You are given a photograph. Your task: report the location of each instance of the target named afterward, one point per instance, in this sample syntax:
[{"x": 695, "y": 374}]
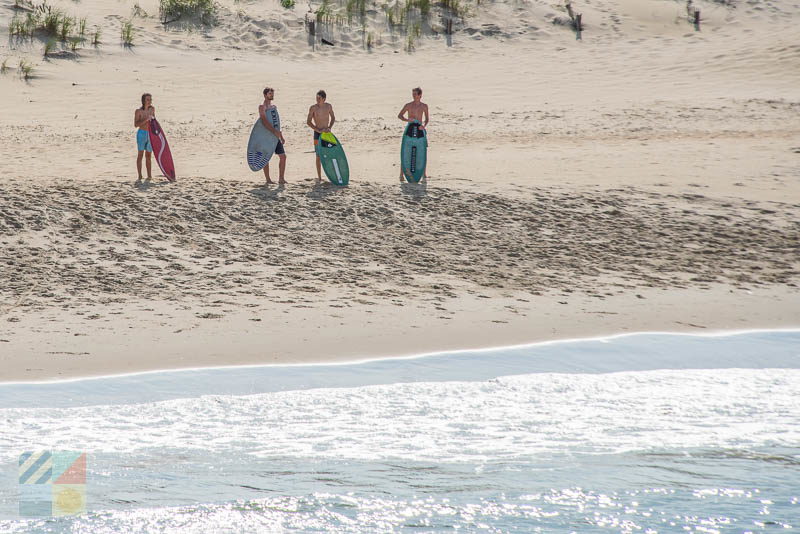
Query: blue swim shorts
[{"x": 143, "y": 140}]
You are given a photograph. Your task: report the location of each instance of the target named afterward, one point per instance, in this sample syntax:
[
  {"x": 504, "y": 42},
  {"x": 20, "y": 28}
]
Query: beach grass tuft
[
  {"x": 407, "y": 18},
  {"x": 51, "y": 21},
  {"x": 356, "y": 8},
  {"x": 15, "y": 27},
  {"x": 137, "y": 11},
  {"x": 4, "y": 66},
  {"x": 423, "y": 6},
  {"x": 173, "y": 10},
  {"x": 324, "y": 12},
  {"x": 45, "y": 19},
  {"x": 457, "y": 8},
  {"x": 49, "y": 48},
  {"x": 127, "y": 33},
  {"x": 25, "y": 69},
  {"x": 288, "y": 4},
  {"x": 31, "y": 24},
  {"x": 66, "y": 25}
]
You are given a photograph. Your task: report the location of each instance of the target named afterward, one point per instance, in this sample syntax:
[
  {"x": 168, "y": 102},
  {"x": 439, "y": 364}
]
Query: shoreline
[
  {"x": 44, "y": 353},
  {"x": 439, "y": 353}
]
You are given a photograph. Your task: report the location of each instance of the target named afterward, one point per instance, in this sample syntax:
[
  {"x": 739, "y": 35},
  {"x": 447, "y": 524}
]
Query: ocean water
[{"x": 639, "y": 433}]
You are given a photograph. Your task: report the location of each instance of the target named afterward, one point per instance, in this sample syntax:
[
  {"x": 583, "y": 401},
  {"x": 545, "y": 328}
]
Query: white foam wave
[{"x": 506, "y": 417}]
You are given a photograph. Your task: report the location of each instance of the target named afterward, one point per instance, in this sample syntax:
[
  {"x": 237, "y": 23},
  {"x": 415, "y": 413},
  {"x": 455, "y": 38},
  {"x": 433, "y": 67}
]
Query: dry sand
[{"x": 645, "y": 177}]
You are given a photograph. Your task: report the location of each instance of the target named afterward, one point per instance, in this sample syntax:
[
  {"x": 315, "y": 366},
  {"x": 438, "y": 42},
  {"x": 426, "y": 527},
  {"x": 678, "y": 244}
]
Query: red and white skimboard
[{"x": 161, "y": 150}]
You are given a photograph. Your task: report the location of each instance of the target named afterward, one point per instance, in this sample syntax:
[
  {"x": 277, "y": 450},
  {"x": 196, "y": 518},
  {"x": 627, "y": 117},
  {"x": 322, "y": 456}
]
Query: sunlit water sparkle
[{"x": 645, "y": 433}]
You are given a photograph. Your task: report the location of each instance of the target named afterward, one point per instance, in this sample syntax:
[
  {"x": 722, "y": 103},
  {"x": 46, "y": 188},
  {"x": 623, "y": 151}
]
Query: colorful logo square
[{"x": 52, "y": 483}]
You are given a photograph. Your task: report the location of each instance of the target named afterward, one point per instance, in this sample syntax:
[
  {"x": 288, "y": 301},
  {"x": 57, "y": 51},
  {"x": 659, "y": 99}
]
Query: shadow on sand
[
  {"x": 146, "y": 185},
  {"x": 417, "y": 190},
  {"x": 268, "y": 192},
  {"x": 324, "y": 189}
]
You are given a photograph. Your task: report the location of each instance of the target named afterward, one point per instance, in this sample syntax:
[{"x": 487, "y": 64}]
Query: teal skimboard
[
  {"x": 414, "y": 151},
  {"x": 331, "y": 155}
]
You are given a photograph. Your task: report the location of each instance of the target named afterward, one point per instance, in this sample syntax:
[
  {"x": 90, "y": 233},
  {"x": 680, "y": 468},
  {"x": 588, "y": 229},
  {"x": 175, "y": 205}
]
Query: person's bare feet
[
  {"x": 281, "y": 182},
  {"x": 269, "y": 182}
]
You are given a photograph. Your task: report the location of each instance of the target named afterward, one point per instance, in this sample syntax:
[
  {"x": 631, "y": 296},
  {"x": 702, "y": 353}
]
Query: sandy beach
[{"x": 645, "y": 177}]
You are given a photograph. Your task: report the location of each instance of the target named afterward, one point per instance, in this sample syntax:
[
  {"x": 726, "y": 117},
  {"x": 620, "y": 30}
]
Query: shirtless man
[
  {"x": 320, "y": 119},
  {"x": 141, "y": 120},
  {"x": 417, "y": 111},
  {"x": 269, "y": 95}
]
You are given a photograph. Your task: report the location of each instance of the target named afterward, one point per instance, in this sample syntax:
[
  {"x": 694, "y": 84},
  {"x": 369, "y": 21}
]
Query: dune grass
[
  {"x": 49, "y": 48},
  {"x": 457, "y": 8},
  {"x": 127, "y": 33},
  {"x": 65, "y": 28},
  {"x": 356, "y": 8},
  {"x": 26, "y": 69},
  {"x": 424, "y": 6},
  {"x": 47, "y": 22},
  {"x": 407, "y": 18},
  {"x": 173, "y": 10},
  {"x": 324, "y": 11},
  {"x": 137, "y": 11}
]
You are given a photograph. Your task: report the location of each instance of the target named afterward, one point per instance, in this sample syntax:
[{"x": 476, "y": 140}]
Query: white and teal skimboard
[
  {"x": 414, "y": 152},
  {"x": 262, "y": 143},
  {"x": 334, "y": 162}
]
